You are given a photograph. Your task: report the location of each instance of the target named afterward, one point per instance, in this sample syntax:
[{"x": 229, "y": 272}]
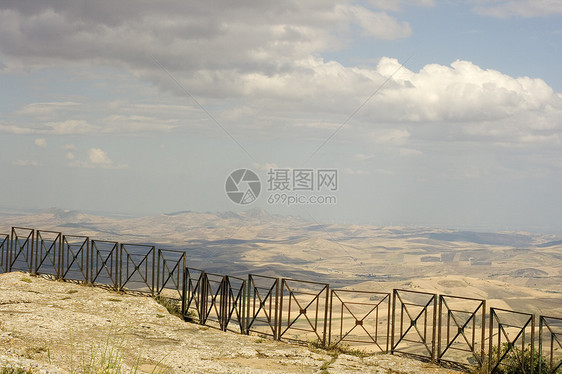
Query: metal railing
[
  {"x": 104, "y": 266},
  {"x": 21, "y": 249},
  {"x": 75, "y": 259},
  {"x": 461, "y": 329},
  {"x": 48, "y": 245},
  {"x": 414, "y": 318},
  {"x": 441, "y": 328},
  {"x": 4, "y": 252},
  {"x": 136, "y": 267},
  {"x": 303, "y": 311},
  {"x": 263, "y": 303},
  {"x": 169, "y": 273},
  {"x": 360, "y": 318},
  {"x": 514, "y": 334}
]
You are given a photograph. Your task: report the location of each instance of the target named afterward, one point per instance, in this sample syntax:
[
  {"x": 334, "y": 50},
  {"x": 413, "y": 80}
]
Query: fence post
[
  {"x": 243, "y": 306},
  {"x": 249, "y": 295},
  {"x": 223, "y": 302},
  {"x": 328, "y": 304},
  {"x": 184, "y": 294},
  {"x": 532, "y": 345},
  {"x": 158, "y": 271},
  {"x": 279, "y": 307},
  {"x": 393, "y": 321},
  {"x": 118, "y": 270},
  {"x": 203, "y": 298},
  {"x": 433, "y": 328},
  {"x": 483, "y": 341},
  {"x": 490, "y": 336},
  {"x": 330, "y": 322}
]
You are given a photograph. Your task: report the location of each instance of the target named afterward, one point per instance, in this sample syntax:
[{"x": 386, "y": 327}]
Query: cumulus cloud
[
  {"x": 266, "y": 56},
  {"x": 97, "y": 158},
  {"x": 462, "y": 91},
  {"x": 41, "y": 142},
  {"x": 219, "y": 35}
]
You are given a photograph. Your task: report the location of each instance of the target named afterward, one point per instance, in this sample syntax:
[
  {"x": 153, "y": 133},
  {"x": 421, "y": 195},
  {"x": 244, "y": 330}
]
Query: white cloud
[
  {"x": 16, "y": 129},
  {"x": 26, "y": 163},
  {"x": 379, "y": 24},
  {"x": 69, "y": 127},
  {"x": 98, "y": 157},
  {"x": 256, "y": 66},
  {"x": 41, "y": 142},
  {"x": 45, "y": 111},
  {"x": 187, "y": 36}
]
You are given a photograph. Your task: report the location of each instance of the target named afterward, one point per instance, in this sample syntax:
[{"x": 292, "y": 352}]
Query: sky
[{"x": 429, "y": 112}]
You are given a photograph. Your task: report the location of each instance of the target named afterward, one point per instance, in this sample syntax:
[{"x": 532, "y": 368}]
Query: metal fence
[
  {"x": 414, "y": 316},
  {"x": 513, "y": 333},
  {"x": 440, "y": 328},
  {"x": 550, "y": 344},
  {"x": 461, "y": 333},
  {"x": 360, "y": 318}
]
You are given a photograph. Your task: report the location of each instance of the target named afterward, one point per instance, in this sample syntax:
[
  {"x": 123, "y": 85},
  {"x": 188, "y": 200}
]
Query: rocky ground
[{"x": 60, "y": 327}]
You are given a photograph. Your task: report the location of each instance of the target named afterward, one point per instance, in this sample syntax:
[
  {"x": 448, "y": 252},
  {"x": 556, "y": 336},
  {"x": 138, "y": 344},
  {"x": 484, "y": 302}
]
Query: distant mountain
[
  {"x": 550, "y": 244},
  {"x": 483, "y": 238}
]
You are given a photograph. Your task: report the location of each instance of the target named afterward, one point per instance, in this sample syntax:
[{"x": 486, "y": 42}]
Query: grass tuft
[
  {"x": 10, "y": 369},
  {"x": 172, "y": 306},
  {"x": 107, "y": 358}
]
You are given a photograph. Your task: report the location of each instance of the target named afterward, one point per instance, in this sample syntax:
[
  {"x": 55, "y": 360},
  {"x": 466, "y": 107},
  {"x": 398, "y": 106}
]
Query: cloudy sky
[{"x": 433, "y": 112}]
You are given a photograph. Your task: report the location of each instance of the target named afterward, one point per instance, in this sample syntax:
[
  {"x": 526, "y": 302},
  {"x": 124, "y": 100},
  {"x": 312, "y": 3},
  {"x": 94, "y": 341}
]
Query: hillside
[
  {"x": 57, "y": 327},
  {"x": 257, "y": 242}
]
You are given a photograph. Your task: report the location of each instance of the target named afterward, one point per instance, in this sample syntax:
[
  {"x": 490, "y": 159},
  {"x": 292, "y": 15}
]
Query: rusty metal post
[
  {"x": 326, "y": 314},
  {"x": 331, "y": 312},
  {"x": 393, "y": 321},
  {"x": 483, "y": 335},
  {"x": 202, "y": 297},
  {"x": 433, "y": 327},
  {"x": 490, "y": 336},
  {"x": 279, "y": 311},
  {"x": 441, "y": 301},
  {"x": 184, "y": 295},
  {"x": 532, "y": 344}
]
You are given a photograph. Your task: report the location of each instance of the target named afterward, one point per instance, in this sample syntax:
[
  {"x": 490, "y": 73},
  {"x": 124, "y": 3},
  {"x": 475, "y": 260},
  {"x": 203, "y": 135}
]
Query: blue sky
[{"x": 433, "y": 112}]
